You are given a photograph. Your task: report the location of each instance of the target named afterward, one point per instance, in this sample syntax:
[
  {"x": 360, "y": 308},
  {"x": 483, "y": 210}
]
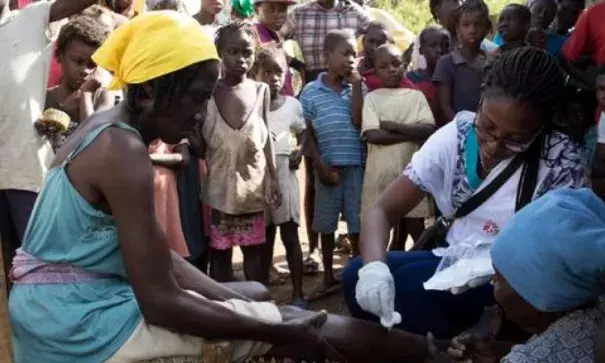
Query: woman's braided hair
[{"x": 531, "y": 76}]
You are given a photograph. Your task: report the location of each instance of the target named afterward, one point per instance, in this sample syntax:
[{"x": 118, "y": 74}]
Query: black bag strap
[
  {"x": 484, "y": 194},
  {"x": 529, "y": 174}
]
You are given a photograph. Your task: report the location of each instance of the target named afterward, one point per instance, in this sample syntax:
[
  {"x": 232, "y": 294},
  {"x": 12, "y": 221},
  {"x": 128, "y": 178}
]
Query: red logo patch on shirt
[{"x": 490, "y": 227}]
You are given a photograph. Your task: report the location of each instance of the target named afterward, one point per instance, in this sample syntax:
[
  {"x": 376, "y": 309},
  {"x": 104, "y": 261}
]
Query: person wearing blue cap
[{"x": 550, "y": 281}]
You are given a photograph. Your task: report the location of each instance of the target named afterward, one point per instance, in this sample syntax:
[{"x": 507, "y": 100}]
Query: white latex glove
[{"x": 375, "y": 293}]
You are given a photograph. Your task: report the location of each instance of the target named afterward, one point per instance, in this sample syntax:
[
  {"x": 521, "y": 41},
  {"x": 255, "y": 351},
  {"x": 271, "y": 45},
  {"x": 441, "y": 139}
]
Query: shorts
[
  {"x": 345, "y": 198},
  {"x": 149, "y": 342}
]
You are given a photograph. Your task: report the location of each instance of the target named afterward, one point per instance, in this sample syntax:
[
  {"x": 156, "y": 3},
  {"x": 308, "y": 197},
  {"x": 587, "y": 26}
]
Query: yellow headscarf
[{"x": 151, "y": 45}]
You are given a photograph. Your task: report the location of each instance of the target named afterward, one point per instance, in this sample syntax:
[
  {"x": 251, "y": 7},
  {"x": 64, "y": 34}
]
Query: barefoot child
[
  {"x": 332, "y": 110},
  {"x": 285, "y": 119},
  {"x": 459, "y": 74},
  {"x": 241, "y": 168},
  {"x": 80, "y": 93},
  {"x": 395, "y": 121},
  {"x": 433, "y": 42}
]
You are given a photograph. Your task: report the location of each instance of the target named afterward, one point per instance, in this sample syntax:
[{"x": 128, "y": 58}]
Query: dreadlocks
[{"x": 171, "y": 86}]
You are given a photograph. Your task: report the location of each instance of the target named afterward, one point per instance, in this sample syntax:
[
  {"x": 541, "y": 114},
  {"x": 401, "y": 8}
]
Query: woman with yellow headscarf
[{"x": 95, "y": 281}]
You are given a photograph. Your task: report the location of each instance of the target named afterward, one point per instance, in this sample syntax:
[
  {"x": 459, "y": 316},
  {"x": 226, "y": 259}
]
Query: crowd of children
[{"x": 358, "y": 119}]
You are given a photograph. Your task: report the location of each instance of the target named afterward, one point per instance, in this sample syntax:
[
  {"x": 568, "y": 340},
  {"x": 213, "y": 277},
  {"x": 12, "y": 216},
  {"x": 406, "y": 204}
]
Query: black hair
[
  {"x": 171, "y": 86},
  {"x": 274, "y": 54},
  {"x": 428, "y": 30},
  {"x": 522, "y": 10},
  {"x": 375, "y": 25},
  {"x": 472, "y": 6},
  {"x": 222, "y": 35},
  {"x": 336, "y": 37},
  {"x": 85, "y": 29},
  {"x": 385, "y": 47},
  {"x": 529, "y": 75}
]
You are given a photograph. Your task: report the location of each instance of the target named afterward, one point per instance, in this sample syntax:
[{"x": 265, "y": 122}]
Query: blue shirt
[
  {"x": 554, "y": 43},
  {"x": 84, "y": 322},
  {"x": 330, "y": 114}
]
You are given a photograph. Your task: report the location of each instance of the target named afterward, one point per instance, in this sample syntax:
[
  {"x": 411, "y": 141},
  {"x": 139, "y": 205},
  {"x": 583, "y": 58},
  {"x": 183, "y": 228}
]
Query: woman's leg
[
  {"x": 289, "y": 236},
  {"x": 360, "y": 341},
  {"x": 253, "y": 262},
  {"x": 440, "y": 312},
  {"x": 268, "y": 247},
  {"x": 221, "y": 269}
]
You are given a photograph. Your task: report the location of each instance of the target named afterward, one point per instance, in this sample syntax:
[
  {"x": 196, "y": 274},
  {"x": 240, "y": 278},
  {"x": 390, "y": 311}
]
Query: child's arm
[
  {"x": 356, "y": 98},
  {"x": 311, "y": 150},
  {"x": 444, "y": 101},
  {"x": 443, "y": 77},
  {"x": 274, "y": 199},
  {"x": 178, "y": 159}
]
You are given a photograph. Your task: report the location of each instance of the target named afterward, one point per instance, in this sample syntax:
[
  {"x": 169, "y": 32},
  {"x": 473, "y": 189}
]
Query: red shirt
[
  {"x": 423, "y": 83},
  {"x": 588, "y": 36},
  {"x": 373, "y": 82}
]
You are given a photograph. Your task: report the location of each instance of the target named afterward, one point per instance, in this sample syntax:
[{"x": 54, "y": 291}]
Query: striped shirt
[
  {"x": 309, "y": 23},
  {"x": 330, "y": 114}
]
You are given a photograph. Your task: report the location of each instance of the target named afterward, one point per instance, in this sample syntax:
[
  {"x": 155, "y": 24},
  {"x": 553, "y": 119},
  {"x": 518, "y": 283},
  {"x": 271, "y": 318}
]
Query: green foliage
[{"x": 415, "y": 14}]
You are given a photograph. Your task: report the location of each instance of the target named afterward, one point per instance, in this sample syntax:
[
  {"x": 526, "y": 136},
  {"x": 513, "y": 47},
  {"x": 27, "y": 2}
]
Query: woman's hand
[
  {"x": 375, "y": 293},
  {"x": 473, "y": 348},
  {"x": 435, "y": 355}
]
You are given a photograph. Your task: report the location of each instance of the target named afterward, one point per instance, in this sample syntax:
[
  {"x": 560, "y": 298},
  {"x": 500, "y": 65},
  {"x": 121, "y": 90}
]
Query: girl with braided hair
[{"x": 515, "y": 122}]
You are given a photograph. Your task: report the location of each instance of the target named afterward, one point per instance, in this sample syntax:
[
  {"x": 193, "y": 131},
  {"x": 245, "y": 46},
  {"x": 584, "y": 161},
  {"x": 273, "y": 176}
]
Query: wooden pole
[{"x": 6, "y": 350}]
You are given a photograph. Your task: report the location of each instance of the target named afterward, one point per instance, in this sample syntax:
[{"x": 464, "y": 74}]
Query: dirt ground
[{"x": 283, "y": 293}]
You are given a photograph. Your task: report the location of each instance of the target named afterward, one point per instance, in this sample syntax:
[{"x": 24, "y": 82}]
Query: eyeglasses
[{"x": 516, "y": 147}]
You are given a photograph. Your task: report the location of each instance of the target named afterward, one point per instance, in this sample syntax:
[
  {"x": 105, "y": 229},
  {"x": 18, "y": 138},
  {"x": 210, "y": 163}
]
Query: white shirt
[
  {"x": 24, "y": 67},
  {"x": 285, "y": 121},
  {"x": 439, "y": 168}
]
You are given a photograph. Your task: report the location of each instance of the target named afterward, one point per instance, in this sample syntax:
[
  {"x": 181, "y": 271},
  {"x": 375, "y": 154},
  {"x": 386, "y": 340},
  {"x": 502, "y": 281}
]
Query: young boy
[
  {"x": 513, "y": 24},
  {"x": 395, "y": 121},
  {"x": 332, "y": 110},
  {"x": 271, "y": 16},
  {"x": 80, "y": 93},
  {"x": 459, "y": 74},
  {"x": 433, "y": 42},
  {"x": 285, "y": 119}
]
